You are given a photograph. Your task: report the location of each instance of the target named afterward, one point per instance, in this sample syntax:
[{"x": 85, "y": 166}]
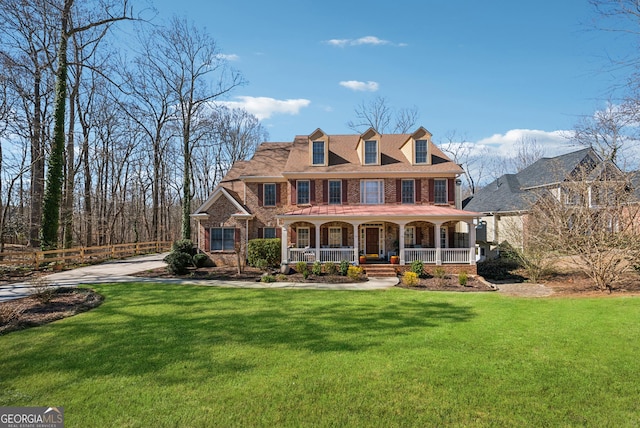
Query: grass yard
[{"x": 182, "y": 356}]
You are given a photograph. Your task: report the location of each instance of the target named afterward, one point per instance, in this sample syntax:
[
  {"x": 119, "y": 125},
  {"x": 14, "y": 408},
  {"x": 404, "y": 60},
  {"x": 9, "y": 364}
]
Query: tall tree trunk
[
  {"x": 53, "y": 190},
  {"x": 37, "y": 165},
  {"x": 67, "y": 208},
  {"x": 88, "y": 206},
  {"x": 186, "y": 194}
]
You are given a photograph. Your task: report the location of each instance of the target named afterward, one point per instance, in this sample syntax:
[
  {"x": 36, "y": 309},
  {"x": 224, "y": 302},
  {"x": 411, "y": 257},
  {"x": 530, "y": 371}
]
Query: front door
[{"x": 372, "y": 241}]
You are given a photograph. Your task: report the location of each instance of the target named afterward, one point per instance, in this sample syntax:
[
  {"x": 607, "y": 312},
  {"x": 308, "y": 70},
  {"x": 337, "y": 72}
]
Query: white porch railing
[
  {"x": 308, "y": 255},
  {"x": 429, "y": 255}
]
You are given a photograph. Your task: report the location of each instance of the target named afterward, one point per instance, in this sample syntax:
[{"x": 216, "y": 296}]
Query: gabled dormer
[
  {"x": 368, "y": 147},
  {"x": 318, "y": 148},
  {"x": 417, "y": 149}
]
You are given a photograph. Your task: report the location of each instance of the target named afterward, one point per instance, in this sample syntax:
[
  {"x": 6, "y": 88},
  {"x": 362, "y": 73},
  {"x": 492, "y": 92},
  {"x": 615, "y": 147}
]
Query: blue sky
[{"x": 490, "y": 71}]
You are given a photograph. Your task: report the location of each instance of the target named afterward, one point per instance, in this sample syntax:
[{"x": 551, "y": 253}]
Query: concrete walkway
[{"x": 121, "y": 271}]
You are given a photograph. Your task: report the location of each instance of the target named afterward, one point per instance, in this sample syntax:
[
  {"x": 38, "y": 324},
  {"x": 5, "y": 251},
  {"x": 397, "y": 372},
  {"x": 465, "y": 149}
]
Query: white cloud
[
  {"x": 553, "y": 142},
  {"x": 366, "y": 40},
  {"x": 265, "y": 107},
  {"x": 356, "y": 85},
  {"x": 229, "y": 57}
]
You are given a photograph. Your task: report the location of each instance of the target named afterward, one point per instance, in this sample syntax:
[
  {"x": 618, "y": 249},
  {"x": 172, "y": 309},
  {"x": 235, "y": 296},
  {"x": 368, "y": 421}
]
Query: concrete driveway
[{"x": 121, "y": 271}]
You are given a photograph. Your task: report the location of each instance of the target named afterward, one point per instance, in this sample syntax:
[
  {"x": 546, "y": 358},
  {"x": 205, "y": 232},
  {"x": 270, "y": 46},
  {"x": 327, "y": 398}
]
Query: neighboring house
[
  {"x": 337, "y": 197},
  {"x": 505, "y": 202}
]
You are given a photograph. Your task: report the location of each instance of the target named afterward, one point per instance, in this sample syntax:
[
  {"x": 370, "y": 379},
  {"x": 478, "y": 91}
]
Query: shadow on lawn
[{"x": 142, "y": 328}]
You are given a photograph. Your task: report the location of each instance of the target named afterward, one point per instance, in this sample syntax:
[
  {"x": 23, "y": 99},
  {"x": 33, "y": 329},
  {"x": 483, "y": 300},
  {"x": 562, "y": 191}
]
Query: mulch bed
[
  {"x": 35, "y": 310},
  {"x": 449, "y": 284}
]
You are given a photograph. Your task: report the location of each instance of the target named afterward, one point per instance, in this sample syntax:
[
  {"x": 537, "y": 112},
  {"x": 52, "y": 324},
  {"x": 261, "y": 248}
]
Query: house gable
[{"x": 202, "y": 211}]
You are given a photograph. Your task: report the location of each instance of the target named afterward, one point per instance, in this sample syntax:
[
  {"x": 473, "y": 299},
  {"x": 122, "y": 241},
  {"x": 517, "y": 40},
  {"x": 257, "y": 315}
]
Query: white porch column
[
  {"x": 317, "y": 225},
  {"x": 401, "y": 242},
  {"x": 356, "y": 243},
  {"x": 472, "y": 242},
  {"x": 437, "y": 231},
  {"x": 284, "y": 244}
]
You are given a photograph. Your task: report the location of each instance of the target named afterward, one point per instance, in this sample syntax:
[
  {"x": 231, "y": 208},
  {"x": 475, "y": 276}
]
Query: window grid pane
[
  {"x": 303, "y": 237},
  {"x": 370, "y": 152},
  {"x": 335, "y": 237},
  {"x": 371, "y": 192},
  {"x": 409, "y": 236},
  {"x": 303, "y": 192},
  {"x": 269, "y": 232},
  {"x": 223, "y": 239},
  {"x": 407, "y": 192},
  {"x": 335, "y": 192},
  {"x": 421, "y": 151},
  {"x": 318, "y": 152},
  {"x": 270, "y": 195},
  {"x": 440, "y": 191}
]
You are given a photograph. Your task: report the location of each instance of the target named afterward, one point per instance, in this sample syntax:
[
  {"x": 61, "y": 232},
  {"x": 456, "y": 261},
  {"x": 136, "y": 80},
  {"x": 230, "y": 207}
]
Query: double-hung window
[
  {"x": 303, "y": 237},
  {"x": 410, "y": 236},
  {"x": 421, "y": 151},
  {"x": 269, "y": 232},
  {"x": 269, "y": 195},
  {"x": 223, "y": 239},
  {"x": 335, "y": 237},
  {"x": 371, "y": 152},
  {"x": 318, "y": 153},
  {"x": 335, "y": 191},
  {"x": 372, "y": 192},
  {"x": 440, "y": 191},
  {"x": 408, "y": 192},
  {"x": 302, "y": 187}
]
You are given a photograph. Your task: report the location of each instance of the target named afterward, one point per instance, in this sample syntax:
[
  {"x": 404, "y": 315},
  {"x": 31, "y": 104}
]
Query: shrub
[
  {"x": 305, "y": 274},
  {"x": 344, "y": 267},
  {"x": 463, "y": 278},
  {"x": 183, "y": 246},
  {"x": 417, "y": 267},
  {"x": 439, "y": 273},
  {"x": 281, "y": 277},
  {"x": 42, "y": 289},
  {"x": 301, "y": 267},
  {"x": 316, "y": 269},
  {"x": 410, "y": 279},
  {"x": 354, "y": 272},
  {"x": 177, "y": 262},
  {"x": 499, "y": 269},
  {"x": 262, "y": 264},
  {"x": 264, "y": 249},
  {"x": 200, "y": 260},
  {"x": 268, "y": 278},
  {"x": 330, "y": 268}
]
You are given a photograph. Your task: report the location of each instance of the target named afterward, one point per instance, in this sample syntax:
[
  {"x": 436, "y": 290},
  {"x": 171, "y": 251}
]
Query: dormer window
[
  {"x": 318, "y": 153},
  {"x": 421, "y": 151},
  {"x": 371, "y": 152}
]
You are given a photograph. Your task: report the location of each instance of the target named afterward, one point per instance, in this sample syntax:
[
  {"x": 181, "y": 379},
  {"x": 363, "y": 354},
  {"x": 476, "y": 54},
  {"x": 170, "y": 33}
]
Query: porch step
[{"x": 379, "y": 270}]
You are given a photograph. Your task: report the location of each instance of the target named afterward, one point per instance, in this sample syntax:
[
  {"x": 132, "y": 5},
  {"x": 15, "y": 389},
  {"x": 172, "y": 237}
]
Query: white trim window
[
  {"x": 409, "y": 236},
  {"x": 318, "y": 153},
  {"x": 303, "y": 237},
  {"x": 335, "y": 192},
  {"x": 371, "y": 152},
  {"x": 408, "y": 192},
  {"x": 269, "y": 197},
  {"x": 444, "y": 234},
  {"x": 335, "y": 237},
  {"x": 223, "y": 238},
  {"x": 303, "y": 188},
  {"x": 372, "y": 192},
  {"x": 421, "y": 151},
  {"x": 440, "y": 191},
  {"x": 269, "y": 232}
]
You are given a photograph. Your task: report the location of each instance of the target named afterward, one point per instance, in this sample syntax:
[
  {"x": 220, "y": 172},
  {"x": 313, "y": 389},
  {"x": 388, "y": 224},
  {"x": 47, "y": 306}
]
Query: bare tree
[
  {"x": 190, "y": 60},
  {"x": 377, "y": 114},
  {"x": 593, "y": 221},
  {"x": 471, "y": 158}
]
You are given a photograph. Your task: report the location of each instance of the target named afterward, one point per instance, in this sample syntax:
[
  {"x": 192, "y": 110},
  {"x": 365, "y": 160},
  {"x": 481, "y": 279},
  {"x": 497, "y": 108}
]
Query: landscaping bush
[
  {"x": 499, "y": 269},
  {"x": 177, "y": 262},
  {"x": 330, "y": 268},
  {"x": 264, "y": 249},
  {"x": 200, "y": 260},
  {"x": 355, "y": 272},
  {"x": 301, "y": 267},
  {"x": 410, "y": 279},
  {"x": 417, "y": 267},
  {"x": 316, "y": 269},
  {"x": 439, "y": 273},
  {"x": 183, "y": 246},
  {"x": 268, "y": 278},
  {"x": 344, "y": 267},
  {"x": 463, "y": 278},
  {"x": 281, "y": 277}
]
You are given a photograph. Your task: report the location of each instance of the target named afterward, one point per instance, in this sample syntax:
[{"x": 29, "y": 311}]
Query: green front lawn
[{"x": 163, "y": 355}]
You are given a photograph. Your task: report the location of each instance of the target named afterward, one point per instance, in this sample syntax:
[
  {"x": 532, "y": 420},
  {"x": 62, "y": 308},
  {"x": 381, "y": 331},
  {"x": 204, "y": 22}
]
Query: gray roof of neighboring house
[{"x": 509, "y": 192}]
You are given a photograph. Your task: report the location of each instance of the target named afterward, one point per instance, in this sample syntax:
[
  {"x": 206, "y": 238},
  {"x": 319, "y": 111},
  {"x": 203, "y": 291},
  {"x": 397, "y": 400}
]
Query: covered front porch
[{"x": 433, "y": 234}]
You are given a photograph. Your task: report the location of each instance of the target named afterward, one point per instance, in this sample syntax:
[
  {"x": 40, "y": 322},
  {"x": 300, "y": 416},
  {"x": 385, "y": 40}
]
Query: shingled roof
[{"x": 511, "y": 192}]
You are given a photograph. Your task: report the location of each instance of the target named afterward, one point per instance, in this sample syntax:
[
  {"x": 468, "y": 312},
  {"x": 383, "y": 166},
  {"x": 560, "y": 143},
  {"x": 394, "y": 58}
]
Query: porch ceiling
[{"x": 387, "y": 211}]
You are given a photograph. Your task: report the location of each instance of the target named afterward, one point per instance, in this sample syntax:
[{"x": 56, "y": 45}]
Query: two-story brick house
[{"x": 336, "y": 197}]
